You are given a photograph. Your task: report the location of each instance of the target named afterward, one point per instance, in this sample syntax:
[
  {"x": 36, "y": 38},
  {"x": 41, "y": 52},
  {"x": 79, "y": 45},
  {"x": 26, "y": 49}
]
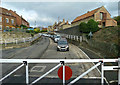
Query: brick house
[
  {"x": 100, "y": 15},
  {"x": 19, "y": 19},
  {"x": 10, "y": 19},
  {"x": 7, "y": 20}
]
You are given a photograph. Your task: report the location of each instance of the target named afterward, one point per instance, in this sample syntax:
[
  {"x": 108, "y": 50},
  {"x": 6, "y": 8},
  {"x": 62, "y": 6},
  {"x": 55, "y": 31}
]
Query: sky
[{"x": 47, "y": 13}]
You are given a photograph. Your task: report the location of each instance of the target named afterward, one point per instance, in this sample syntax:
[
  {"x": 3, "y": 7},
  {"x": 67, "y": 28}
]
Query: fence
[
  {"x": 18, "y": 40},
  {"x": 74, "y": 37},
  {"x": 108, "y": 49},
  {"x": 26, "y": 62}
]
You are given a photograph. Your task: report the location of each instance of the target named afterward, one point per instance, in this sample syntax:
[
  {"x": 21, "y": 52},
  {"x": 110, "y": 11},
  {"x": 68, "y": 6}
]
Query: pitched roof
[{"x": 85, "y": 15}]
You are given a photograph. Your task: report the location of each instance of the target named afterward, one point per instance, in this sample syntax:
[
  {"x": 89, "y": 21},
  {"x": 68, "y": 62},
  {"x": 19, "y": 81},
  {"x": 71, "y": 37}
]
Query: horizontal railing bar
[
  {"x": 56, "y": 60},
  {"x": 110, "y": 68}
]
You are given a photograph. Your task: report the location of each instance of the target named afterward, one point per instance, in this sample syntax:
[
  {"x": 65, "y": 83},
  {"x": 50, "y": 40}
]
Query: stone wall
[{"x": 71, "y": 31}]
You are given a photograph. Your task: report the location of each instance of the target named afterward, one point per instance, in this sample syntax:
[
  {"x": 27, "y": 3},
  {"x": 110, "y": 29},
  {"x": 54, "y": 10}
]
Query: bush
[
  {"x": 117, "y": 19},
  {"x": 91, "y": 26},
  {"x": 83, "y": 27}
]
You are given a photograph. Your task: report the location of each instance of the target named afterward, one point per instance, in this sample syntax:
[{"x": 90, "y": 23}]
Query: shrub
[
  {"x": 83, "y": 27},
  {"x": 91, "y": 26}
]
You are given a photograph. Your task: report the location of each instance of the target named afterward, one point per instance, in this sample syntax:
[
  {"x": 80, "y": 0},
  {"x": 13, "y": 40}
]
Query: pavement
[{"x": 46, "y": 49}]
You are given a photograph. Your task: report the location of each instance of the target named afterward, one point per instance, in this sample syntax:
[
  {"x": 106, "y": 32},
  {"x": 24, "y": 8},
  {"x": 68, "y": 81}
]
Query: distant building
[
  {"x": 10, "y": 19},
  {"x": 44, "y": 29},
  {"x": 100, "y": 15},
  {"x": 65, "y": 26},
  {"x": 62, "y": 25},
  {"x": 50, "y": 28}
]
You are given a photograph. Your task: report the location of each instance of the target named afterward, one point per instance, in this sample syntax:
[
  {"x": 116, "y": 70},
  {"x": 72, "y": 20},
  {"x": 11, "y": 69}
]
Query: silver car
[{"x": 62, "y": 45}]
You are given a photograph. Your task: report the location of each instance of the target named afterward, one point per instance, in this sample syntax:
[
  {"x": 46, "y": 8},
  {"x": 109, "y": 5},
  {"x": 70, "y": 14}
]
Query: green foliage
[
  {"x": 117, "y": 19},
  {"x": 23, "y": 26},
  {"x": 91, "y": 26},
  {"x": 44, "y": 31},
  {"x": 29, "y": 31},
  {"x": 83, "y": 27}
]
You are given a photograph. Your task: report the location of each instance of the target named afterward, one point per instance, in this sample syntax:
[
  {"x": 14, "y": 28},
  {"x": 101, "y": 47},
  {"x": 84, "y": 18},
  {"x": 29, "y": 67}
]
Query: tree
[
  {"x": 92, "y": 25},
  {"x": 117, "y": 19},
  {"x": 83, "y": 27}
]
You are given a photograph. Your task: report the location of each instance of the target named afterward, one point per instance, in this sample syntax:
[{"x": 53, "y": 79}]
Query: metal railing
[
  {"x": 18, "y": 40},
  {"x": 25, "y": 62}
]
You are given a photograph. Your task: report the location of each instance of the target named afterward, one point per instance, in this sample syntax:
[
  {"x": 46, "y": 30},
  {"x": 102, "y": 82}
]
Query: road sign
[{"x": 68, "y": 72}]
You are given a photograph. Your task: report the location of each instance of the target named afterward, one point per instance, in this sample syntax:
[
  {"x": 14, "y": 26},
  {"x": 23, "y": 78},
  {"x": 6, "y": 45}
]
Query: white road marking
[
  {"x": 17, "y": 75},
  {"x": 38, "y": 69}
]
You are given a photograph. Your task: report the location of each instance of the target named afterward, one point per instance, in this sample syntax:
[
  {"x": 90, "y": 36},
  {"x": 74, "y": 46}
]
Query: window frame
[{"x": 7, "y": 19}]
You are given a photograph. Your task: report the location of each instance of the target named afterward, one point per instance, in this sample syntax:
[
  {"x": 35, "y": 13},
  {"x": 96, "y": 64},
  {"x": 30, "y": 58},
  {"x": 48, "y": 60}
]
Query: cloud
[{"x": 46, "y": 13}]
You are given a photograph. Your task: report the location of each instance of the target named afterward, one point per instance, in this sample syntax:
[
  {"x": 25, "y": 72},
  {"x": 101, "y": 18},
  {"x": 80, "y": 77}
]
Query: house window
[
  {"x": 7, "y": 27},
  {"x": 101, "y": 15},
  {"x": 0, "y": 27},
  {"x": 12, "y": 21},
  {"x": 7, "y": 20},
  {"x": 0, "y": 19}
]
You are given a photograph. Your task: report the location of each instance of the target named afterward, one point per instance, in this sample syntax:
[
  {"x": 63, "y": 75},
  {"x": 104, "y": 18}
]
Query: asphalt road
[
  {"x": 34, "y": 51},
  {"x": 37, "y": 51}
]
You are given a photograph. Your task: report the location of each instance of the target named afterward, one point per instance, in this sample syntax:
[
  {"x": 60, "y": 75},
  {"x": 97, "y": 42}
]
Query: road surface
[{"x": 37, "y": 51}]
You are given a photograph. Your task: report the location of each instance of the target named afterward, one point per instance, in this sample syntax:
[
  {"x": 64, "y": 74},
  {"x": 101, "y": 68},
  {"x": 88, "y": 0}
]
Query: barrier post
[
  {"x": 63, "y": 64},
  {"x": 119, "y": 71},
  {"x": 27, "y": 75}
]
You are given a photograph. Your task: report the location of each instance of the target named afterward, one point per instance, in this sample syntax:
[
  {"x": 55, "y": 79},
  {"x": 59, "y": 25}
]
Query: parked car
[
  {"x": 56, "y": 38},
  {"x": 62, "y": 45}
]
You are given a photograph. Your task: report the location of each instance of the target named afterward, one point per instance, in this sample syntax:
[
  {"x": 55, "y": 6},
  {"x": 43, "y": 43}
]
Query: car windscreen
[
  {"x": 62, "y": 43},
  {"x": 57, "y": 36}
]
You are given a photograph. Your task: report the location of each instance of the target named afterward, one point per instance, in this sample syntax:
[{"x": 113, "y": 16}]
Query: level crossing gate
[{"x": 62, "y": 62}]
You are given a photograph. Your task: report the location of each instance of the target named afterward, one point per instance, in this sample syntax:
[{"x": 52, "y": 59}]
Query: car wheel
[
  {"x": 57, "y": 49},
  {"x": 67, "y": 49}
]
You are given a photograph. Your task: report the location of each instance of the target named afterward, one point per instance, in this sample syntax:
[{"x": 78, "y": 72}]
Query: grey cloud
[{"x": 67, "y": 10}]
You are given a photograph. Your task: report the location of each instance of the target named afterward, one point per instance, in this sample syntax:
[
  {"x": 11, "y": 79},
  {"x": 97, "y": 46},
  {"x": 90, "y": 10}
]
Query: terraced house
[
  {"x": 10, "y": 19},
  {"x": 7, "y": 20},
  {"x": 100, "y": 15}
]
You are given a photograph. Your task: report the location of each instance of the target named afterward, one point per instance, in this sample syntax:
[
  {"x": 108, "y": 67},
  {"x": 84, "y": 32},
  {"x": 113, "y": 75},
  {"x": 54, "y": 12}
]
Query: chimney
[
  {"x": 15, "y": 11},
  {"x": 88, "y": 11},
  {"x": 64, "y": 20},
  {"x": 67, "y": 22}
]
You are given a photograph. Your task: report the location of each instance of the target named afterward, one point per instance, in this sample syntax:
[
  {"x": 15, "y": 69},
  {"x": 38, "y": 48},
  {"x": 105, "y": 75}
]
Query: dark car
[{"x": 62, "y": 45}]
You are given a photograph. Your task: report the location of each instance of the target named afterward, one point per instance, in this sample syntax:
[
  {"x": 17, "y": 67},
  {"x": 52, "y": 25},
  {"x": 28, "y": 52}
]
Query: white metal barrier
[{"x": 63, "y": 62}]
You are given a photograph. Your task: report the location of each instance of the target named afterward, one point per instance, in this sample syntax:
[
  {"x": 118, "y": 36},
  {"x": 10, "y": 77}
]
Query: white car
[{"x": 57, "y": 38}]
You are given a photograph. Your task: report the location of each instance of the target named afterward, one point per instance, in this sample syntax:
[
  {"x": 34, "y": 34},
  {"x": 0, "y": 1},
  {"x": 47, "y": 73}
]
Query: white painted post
[
  {"x": 80, "y": 38},
  {"x": 27, "y": 74},
  {"x": 69, "y": 36},
  {"x": 74, "y": 37},
  {"x": 102, "y": 73},
  {"x": 5, "y": 43},
  {"x": 77, "y": 38},
  {"x": 63, "y": 72},
  {"x": 16, "y": 41},
  {"x": 24, "y": 40},
  {"x": 119, "y": 71}
]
